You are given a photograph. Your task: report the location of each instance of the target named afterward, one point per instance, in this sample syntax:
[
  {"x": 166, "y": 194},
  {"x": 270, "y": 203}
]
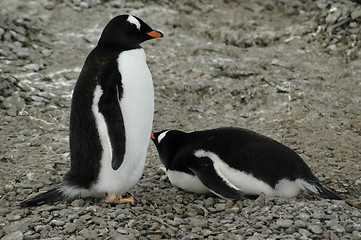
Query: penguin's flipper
[
  {"x": 214, "y": 180},
  {"x": 51, "y": 196},
  {"x": 109, "y": 107}
]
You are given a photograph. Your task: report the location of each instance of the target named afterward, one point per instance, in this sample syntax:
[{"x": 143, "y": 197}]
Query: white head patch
[
  {"x": 162, "y": 135},
  {"x": 134, "y": 21}
]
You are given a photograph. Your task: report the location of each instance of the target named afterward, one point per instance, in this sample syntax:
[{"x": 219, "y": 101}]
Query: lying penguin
[
  {"x": 233, "y": 162},
  {"x": 111, "y": 117}
]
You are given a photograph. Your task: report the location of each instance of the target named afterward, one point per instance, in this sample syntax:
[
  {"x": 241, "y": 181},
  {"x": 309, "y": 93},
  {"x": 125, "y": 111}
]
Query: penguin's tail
[
  {"x": 52, "y": 196},
  {"x": 314, "y": 185}
]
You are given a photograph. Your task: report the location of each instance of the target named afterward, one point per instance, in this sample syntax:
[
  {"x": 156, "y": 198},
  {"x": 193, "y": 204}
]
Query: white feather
[
  {"x": 134, "y": 21},
  {"x": 137, "y": 105},
  {"x": 187, "y": 182},
  {"x": 162, "y": 135}
]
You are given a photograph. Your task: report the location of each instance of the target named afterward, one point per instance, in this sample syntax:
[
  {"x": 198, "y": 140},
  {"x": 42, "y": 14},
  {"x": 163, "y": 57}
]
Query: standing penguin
[
  {"x": 233, "y": 162},
  {"x": 111, "y": 117}
]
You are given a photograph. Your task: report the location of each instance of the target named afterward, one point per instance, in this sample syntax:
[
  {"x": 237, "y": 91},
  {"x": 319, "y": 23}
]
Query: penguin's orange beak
[
  {"x": 155, "y": 34},
  {"x": 152, "y": 136}
]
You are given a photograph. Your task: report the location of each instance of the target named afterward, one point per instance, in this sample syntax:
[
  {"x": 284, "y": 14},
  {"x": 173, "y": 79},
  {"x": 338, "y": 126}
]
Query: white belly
[
  {"x": 187, "y": 182},
  {"x": 137, "y": 105}
]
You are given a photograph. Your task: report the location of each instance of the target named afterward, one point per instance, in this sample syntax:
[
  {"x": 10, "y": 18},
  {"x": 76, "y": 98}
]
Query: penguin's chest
[{"x": 137, "y": 107}]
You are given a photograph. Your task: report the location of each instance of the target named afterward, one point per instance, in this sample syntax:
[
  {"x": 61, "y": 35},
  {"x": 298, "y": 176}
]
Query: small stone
[
  {"x": 56, "y": 222},
  {"x": 333, "y": 16},
  {"x": 32, "y": 67},
  {"x": 356, "y": 14},
  {"x": 69, "y": 227},
  {"x": 2, "y": 31},
  {"x": 12, "y": 217},
  {"x": 358, "y": 182},
  {"x": 304, "y": 232},
  {"x": 46, "y": 52},
  {"x": 168, "y": 209},
  {"x": 356, "y": 235},
  {"x": 338, "y": 228},
  {"x": 49, "y": 167},
  {"x": 88, "y": 234},
  {"x": 50, "y": 6},
  {"x": 209, "y": 202},
  {"x": 228, "y": 106},
  {"x": 261, "y": 200},
  {"x": 333, "y": 236},
  {"x": 316, "y": 229},
  {"x": 9, "y": 187},
  {"x": 220, "y": 207},
  {"x": 283, "y": 223},
  {"x": 300, "y": 223},
  {"x": 357, "y": 205},
  {"x": 14, "y": 101},
  {"x": 197, "y": 222},
  {"x": 304, "y": 216},
  {"x": 14, "y": 236},
  {"x": 12, "y": 112},
  {"x": 84, "y": 5},
  {"x": 23, "y": 53},
  {"x": 332, "y": 47},
  {"x": 321, "y": 215}
]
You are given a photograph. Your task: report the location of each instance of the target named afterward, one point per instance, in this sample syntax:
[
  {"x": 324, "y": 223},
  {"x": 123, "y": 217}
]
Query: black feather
[{"x": 51, "y": 196}]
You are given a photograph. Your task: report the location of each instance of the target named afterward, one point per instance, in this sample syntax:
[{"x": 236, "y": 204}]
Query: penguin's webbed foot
[{"x": 114, "y": 199}]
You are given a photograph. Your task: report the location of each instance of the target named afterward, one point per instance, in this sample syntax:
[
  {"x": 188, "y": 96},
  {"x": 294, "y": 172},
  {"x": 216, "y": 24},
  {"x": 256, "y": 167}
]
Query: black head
[
  {"x": 168, "y": 143},
  {"x": 128, "y": 31}
]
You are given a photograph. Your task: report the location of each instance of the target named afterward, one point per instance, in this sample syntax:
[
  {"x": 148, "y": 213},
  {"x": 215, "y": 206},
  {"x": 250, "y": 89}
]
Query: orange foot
[{"x": 112, "y": 198}]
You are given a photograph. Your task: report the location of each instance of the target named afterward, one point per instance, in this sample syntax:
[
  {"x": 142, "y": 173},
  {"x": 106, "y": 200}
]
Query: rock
[
  {"x": 283, "y": 223},
  {"x": 12, "y": 217},
  {"x": 316, "y": 229},
  {"x": 46, "y": 52},
  {"x": 23, "y": 53},
  {"x": 357, "y": 205},
  {"x": 209, "y": 202},
  {"x": 56, "y": 222},
  {"x": 2, "y": 31},
  {"x": 333, "y": 16},
  {"x": 304, "y": 216},
  {"x": 50, "y": 5},
  {"x": 22, "y": 225},
  {"x": 321, "y": 215},
  {"x": 333, "y": 236},
  {"x": 334, "y": 225},
  {"x": 69, "y": 227},
  {"x": 88, "y": 234},
  {"x": 198, "y": 222},
  {"x": 14, "y": 236},
  {"x": 32, "y": 67},
  {"x": 304, "y": 232},
  {"x": 356, "y": 235},
  {"x": 12, "y": 112},
  {"x": 300, "y": 223},
  {"x": 14, "y": 101},
  {"x": 356, "y": 13},
  {"x": 8, "y": 187}
]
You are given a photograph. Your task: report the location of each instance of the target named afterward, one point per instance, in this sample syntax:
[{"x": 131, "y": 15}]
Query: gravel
[{"x": 288, "y": 69}]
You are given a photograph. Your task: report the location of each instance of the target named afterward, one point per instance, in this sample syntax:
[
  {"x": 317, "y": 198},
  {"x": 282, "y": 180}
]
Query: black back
[{"x": 245, "y": 150}]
